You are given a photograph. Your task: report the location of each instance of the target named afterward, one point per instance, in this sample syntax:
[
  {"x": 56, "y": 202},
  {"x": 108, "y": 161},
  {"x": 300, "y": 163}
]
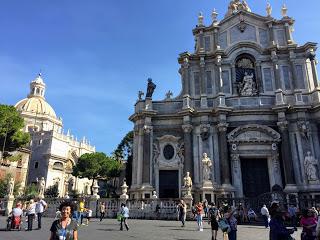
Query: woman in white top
[
  {"x": 125, "y": 215},
  {"x": 31, "y": 211}
]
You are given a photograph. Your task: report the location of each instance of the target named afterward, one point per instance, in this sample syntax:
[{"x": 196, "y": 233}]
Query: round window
[{"x": 168, "y": 152}]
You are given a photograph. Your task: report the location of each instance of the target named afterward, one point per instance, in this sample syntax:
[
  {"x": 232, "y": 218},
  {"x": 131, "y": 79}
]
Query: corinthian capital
[
  {"x": 187, "y": 128},
  {"x": 222, "y": 127},
  {"x": 282, "y": 125},
  {"x": 147, "y": 128}
]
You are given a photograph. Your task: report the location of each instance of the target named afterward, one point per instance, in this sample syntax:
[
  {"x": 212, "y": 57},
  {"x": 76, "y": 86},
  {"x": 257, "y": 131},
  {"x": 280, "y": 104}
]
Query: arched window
[{"x": 58, "y": 166}]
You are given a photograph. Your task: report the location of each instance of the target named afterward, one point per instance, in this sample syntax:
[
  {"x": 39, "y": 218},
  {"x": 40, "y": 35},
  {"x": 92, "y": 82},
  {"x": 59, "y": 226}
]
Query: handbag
[
  {"x": 119, "y": 216},
  {"x": 224, "y": 225}
]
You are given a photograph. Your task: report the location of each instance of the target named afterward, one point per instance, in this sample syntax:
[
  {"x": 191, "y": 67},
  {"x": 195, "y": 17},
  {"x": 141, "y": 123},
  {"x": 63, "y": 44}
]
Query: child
[{"x": 89, "y": 215}]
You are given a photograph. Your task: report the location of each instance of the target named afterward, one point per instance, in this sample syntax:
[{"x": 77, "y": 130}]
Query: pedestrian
[
  {"x": 41, "y": 206},
  {"x": 102, "y": 209},
  {"x": 277, "y": 229},
  {"x": 309, "y": 225},
  {"x": 213, "y": 218},
  {"x": 31, "y": 211},
  {"x": 199, "y": 213},
  {"x": 124, "y": 217},
  {"x": 232, "y": 221},
  {"x": 64, "y": 228},
  {"x": 89, "y": 215},
  {"x": 81, "y": 210},
  {"x": 292, "y": 211},
  {"x": 205, "y": 208},
  {"x": 265, "y": 215},
  {"x": 182, "y": 211}
]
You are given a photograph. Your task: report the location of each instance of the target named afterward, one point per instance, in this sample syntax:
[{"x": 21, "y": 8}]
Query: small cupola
[{"x": 37, "y": 87}]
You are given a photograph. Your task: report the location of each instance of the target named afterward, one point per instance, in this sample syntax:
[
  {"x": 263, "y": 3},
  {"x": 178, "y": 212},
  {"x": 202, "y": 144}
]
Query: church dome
[{"x": 35, "y": 103}]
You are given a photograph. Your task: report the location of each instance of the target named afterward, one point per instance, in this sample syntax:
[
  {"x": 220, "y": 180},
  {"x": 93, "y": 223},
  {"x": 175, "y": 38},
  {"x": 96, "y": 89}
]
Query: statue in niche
[
  {"x": 310, "y": 164},
  {"x": 206, "y": 167},
  {"x": 150, "y": 88},
  {"x": 247, "y": 87}
]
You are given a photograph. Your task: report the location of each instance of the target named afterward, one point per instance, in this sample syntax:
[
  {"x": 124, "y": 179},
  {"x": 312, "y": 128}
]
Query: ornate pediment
[{"x": 254, "y": 133}]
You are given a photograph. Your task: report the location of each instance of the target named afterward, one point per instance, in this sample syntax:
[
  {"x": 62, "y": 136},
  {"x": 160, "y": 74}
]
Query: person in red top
[
  {"x": 309, "y": 224},
  {"x": 199, "y": 212}
]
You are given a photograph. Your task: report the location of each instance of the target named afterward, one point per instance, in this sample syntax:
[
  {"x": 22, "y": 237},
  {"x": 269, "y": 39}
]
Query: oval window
[{"x": 168, "y": 152}]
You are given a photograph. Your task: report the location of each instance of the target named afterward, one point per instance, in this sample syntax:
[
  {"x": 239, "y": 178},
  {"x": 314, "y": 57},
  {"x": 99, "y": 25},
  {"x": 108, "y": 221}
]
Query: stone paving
[{"x": 108, "y": 229}]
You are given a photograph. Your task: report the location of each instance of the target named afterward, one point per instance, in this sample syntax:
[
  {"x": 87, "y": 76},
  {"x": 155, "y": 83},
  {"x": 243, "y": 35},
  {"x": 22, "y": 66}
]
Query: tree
[
  {"x": 97, "y": 166},
  {"x": 124, "y": 152},
  {"x": 11, "y": 135}
]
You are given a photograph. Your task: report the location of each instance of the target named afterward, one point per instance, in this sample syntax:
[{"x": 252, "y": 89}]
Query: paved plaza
[{"x": 108, "y": 229}]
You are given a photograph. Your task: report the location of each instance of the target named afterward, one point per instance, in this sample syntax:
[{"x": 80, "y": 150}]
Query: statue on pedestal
[
  {"x": 150, "y": 88},
  {"x": 310, "y": 164},
  {"x": 206, "y": 167},
  {"x": 187, "y": 181},
  {"x": 10, "y": 187},
  {"x": 41, "y": 187},
  {"x": 236, "y": 5}
]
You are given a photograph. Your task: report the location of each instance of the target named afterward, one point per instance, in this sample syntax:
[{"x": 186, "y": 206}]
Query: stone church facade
[{"x": 250, "y": 100}]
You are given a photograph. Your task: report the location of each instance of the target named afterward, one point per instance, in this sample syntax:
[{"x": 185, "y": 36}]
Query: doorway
[
  {"x": 169, "y": 184},
  {"x": 255, "y": 177}
]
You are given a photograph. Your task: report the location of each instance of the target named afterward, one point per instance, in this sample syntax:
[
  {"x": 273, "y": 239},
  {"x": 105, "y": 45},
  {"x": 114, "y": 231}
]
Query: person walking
[
  {"x": 125, "y": 216},
  {"x": 64, "y": 228},
  {"x": 213, "y": 218},
  {"x": 81, "y": 210},
  {"x": 31, "y": 211},
  {"x": 229, "y": 216},
  {"x": 199, "y": 212},
  {"x": 265, "y": 215},
  {"x": 309, "y": 225},
  {"x": 182, "y": 211},
  {"x": 41, "y": 206},
  {"x": 102, "y": 209},
  {"x": 277, "y": 229}
]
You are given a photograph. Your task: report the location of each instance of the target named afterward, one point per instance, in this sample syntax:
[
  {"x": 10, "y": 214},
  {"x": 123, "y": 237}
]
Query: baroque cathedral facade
[{"x": 249, "y": 102}]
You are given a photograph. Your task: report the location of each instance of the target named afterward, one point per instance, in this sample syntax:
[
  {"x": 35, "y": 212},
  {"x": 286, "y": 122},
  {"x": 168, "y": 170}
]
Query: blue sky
[{"x": 96, "y": 55}]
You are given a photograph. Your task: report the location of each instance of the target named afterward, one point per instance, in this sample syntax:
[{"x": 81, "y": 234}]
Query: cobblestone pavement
[{"x": 108, "y": 229}]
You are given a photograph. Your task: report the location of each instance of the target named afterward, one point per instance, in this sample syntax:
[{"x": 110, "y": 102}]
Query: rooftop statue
[
  {"x": 150, "y": 88},
  {"x": 236, "y": 5}
]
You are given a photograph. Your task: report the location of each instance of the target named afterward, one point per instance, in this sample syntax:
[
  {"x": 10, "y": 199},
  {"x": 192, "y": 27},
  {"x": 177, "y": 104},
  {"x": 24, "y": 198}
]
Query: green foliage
[
  {"x": 97, "y": 166},
  {"x": 4, "y": 186},
  {"x": 11, "y": 125},
  {"x": 124, "y": 152},
  {"x": 30, "y": 191},
  {"x": 52, "y": 191}
]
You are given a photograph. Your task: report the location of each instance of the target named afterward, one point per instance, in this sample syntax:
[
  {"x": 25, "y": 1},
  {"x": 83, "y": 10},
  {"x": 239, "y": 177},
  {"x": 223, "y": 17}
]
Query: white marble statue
[
  {"x": 154, "y": 195},
  {"x": 310, "y": 164},
  {"x": 11, "y": 186},
  {"x": 248, "y": 88},
  {"x": 236, "y": 5},
  {"x": 206, "y": 167},
  {"x": 187, "y": 181},
  {"x": 41, "y": 187}
]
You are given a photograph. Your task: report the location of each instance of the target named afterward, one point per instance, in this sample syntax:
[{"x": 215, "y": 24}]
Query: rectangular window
[
  {"x": 226, "y": 82},
  {"x": 209, "y": 82},
  {"x": 300, "y": 78},
  {"x": 207, "y": 47},
  {"x": 286, "y": 77},
  {"x": 196, "y": 79},
  {"x": 268, "y": 86}
]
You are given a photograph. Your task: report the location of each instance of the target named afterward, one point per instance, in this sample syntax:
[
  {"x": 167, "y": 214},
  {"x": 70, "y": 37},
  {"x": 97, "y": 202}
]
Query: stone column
[
  {"x": 135, "y": 156},
  {"x": 276, "y": 70},
  {"x": 146, "y": 154},
  {"x": 259, "y": 77},
  {"x": 140, "y": 157},
  {"x": 188, "y": 163},
  {"x": 223, "y": 150},
  {"x": 236, "y": 173},
  {"x": 286, "y": 153},
  {"x": 312, "y": 57}
]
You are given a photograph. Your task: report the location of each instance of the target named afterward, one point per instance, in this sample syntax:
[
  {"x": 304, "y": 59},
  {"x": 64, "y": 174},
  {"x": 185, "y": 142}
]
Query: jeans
[
  {"x": 39, "y": 219},
  {"x": 30, "y": 221},
  {"x": 80, "y": 217},
  {"x": 232, "y": 235},
  {"x": 101, "y": 216},
  {"x": 182, "y": 218},
  {"x": 199, "y": 220}
]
